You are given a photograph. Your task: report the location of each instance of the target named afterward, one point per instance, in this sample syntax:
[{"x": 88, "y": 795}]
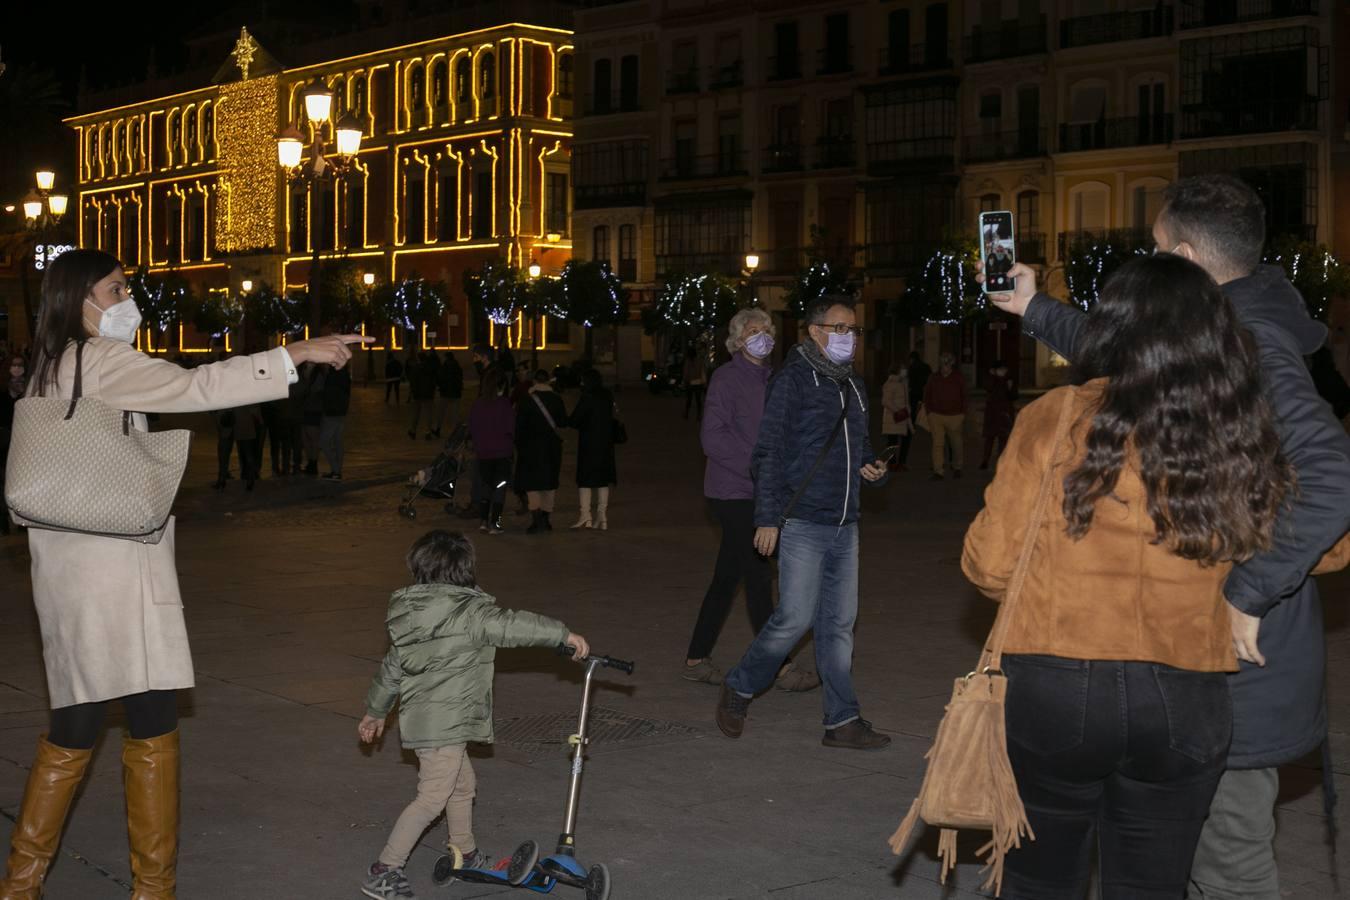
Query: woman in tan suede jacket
[
  {"x": 109, "y": 609},
  {"x": 1118, "y": 712}
]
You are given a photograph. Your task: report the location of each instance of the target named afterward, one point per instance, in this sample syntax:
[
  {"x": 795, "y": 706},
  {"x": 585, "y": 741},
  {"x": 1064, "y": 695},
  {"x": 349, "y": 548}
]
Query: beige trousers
[
  {"x": 445, "y": 783},
  {"x": 947, "y": 428}
]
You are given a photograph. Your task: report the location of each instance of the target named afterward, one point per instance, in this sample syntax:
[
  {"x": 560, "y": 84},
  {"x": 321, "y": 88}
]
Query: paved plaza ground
[{"x": 285, "y": 591}]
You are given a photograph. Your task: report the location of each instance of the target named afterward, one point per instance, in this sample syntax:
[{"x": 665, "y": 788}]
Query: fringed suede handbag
[{"x": 970, "y": 783}]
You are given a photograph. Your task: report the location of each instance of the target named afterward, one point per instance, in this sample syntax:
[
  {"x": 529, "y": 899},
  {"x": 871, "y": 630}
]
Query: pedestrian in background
[
  {"x": 999, "y": 397},
  {"x": 311, "y": 416},
  {"x": 945, "y": 399},
  {"x": 247, "y": 431},
  {"x": 337, "y": 399},
  {"x": 422, "y": 387},
  {"x": 695, "y": 377},
  {"x": 224, "y": 422},
  {"x": 593, "y": 418},
  {"x": 289, "y": 416},
  {"x": 449, "y": 390},
  {"x": 393, "y": 378},
  {"x": 539, "y": 447},
  {"x": 897, "y": 424},
  {"x": 919, "y": 373},
  {"x": 492, "y": 425}
]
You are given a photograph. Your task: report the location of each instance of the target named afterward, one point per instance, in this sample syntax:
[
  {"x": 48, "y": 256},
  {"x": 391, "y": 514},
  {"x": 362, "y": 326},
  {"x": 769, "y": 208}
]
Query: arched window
[
  {"x": 1027, "y": 221},
  {"x": 487, "y": 80},
  {"x": 358, "y": 106},
  {"x": 415, "y": 77},
  {"x": 463, "y": 80},
  {"x": 990, "y": 202},
  {"x": 190, "y": 138},
  {"x": 439, "y": 95},
  {"x": 119, "y": 145},
  {"x": 565, "y": 76},
  {"x": 134, "y": 138},
  {"x": 209, "y": 130},
  {"x": 1089, "y": 207},
  {"x": 600, "y": 244},
  {"x": 1146, "y": 200}
]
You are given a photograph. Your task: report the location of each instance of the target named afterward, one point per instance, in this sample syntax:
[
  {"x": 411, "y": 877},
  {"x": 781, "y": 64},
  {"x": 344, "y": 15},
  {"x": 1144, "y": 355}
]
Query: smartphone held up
[{"x": 998, "y": 251}]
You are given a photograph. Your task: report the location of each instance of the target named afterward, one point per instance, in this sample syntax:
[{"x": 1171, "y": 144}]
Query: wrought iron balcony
[
  {"x": 1031, "y": 247},
  {"x": 887, "y": 157},
  {"x": 1250, "y": 117},
  {"x": 782, "y": 157},
  {"x": 719, "y": 165},
  {"x": 1205, "y": 13},
  {"x": 726, "y": 263},
  {"x": 1006, "y": 40},
  {"x": 1128, "y": 240},
  {"x": 1107, "y": 28},
  {"x": 1139, "y": 131},
  {"x": 914, "y": 58},
  {"x": 999, "y": 145}
]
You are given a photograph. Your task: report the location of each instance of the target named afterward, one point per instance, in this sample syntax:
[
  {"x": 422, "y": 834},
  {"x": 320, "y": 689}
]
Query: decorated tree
[
  {"x": 696, "y": 303},
  {"x": 217, "y": 313},
  {"x": 1312, "y": 268},
  {"x": 344, "y": 301},
  {"x": 500, "y": 291},
  {"x": 164, "y": 300},
  {"x": 409, "y": 302},
  {"x": 943, "y": 289},
  {"x": 589, "y": 294},
  {"x": 266, "y": 312},
  {"x": 1090, "y": 260},
  {"x": 817, "y": 280}
]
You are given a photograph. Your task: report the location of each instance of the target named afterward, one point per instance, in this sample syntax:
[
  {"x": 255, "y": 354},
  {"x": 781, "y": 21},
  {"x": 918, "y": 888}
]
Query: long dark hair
[
  {"x": 60, "y": 318},
  {"x": 1184, "y": 393}
]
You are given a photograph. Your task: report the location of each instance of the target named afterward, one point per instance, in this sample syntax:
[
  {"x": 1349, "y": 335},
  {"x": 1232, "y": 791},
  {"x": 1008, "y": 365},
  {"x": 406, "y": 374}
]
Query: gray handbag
[{"x": 80, "y": 466}]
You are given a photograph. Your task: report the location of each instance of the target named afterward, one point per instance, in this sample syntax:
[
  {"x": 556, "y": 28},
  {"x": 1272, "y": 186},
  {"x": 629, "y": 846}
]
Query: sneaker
[
  {"x": 384, "y": 882},
  {"x": 478, "y": 860},
  {"x": 333, "y": 476},
  {"x": 855, "y": 735},
  {"x": 796, "y": 679},
  {"x": 731, "y": 709},
  {"x": 703, "y": 673}
]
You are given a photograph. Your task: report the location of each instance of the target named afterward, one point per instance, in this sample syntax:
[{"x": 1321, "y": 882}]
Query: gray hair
[
  {"x": 741, "y": 321},
  {"x": 817, "y": 308}
]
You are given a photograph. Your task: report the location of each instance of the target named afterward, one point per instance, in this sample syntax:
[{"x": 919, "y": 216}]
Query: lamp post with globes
[
  {"x": 320, "y": 165},
  {"x": 43, "y": 209},
  {"x": 751, "y": 265}
]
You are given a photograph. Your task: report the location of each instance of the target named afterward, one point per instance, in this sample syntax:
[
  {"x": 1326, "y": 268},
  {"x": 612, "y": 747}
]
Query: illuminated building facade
[{"x": 465, "y": 157}]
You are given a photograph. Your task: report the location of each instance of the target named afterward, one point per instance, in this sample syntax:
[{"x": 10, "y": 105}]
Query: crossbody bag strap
[
  {"x": 820, "y": 458},
  {"x": 992, "y": 657},
  {"x": 543, "y": 409},
  {"x": 78, "y": 390}
]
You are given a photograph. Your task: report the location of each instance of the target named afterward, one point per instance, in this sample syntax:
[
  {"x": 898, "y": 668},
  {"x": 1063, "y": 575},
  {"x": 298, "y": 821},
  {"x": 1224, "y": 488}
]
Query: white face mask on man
[{"x": 120, "y": 322}]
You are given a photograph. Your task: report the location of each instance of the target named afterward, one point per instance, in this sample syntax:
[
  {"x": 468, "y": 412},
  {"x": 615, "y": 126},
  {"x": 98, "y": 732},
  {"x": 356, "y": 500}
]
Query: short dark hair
[
  {"x": 817, "y": 308},
  {"x": 542, "y": 376},
  {"x": 1221, "y": 217},
  {"x": 443, "y": 557}
]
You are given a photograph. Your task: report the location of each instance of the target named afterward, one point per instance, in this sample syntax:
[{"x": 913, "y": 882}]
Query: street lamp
[
  {"x": 45, "y": 180},
  {"x": 751, "y": 264},
  {"x": 534, "y": 270},
  {"x": 318, "y": 100},
  {"x": 246, "y": 285},
  {"x": 368, "y": 278}
]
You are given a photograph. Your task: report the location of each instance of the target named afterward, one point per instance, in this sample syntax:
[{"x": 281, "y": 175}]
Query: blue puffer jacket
[{"x": 800, "y": 409}]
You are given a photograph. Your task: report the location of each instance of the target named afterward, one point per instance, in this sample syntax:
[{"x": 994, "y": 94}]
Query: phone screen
[{"x": 998, "y": 250}]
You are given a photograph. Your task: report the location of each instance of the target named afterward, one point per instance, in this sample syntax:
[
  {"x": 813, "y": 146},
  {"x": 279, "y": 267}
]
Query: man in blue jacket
[
  {"x": 1279, "y": 704},
  {"x": 808, "y": 464}
]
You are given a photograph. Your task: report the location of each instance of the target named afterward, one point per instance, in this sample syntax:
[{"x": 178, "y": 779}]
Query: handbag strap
[
  {"x": 78, "y": 390},
  {"x": 820, "y": 458},
  {"x": 543, "y": 409},
  {"x": 992, "y": 657}
]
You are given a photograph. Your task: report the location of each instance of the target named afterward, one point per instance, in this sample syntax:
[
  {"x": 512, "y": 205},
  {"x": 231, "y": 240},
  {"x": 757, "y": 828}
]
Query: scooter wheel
[
  {"x": 444, "y": 870},
  {"x": 597, "y": 883},
  {"x": 523, "y": 862}
]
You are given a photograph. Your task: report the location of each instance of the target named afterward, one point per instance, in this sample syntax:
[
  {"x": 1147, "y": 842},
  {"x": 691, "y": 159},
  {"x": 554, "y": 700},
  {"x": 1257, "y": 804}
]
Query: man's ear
[{"x": 1186, "y": 250}]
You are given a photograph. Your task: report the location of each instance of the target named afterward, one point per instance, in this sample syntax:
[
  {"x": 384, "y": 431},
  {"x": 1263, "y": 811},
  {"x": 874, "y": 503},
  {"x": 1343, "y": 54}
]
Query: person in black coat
[
  {"x": 540, "y": 416},
  {"x": 449, "y": 390},
  {"x": 593, "y": 418},
  {"x": 422, "y": 384},
  {"x": 393, "y": 378},
  {"x": 337, "y": 398}
]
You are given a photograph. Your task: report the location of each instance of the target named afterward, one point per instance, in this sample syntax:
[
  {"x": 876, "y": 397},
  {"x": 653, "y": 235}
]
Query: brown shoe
[
  {"x": 150, "y": 773},
  {"x": 731, "y": 708},
  {"x": 855, "y": 735},
  {"x": 796, "y": 679},
  {"x": 56, "y": 774}
]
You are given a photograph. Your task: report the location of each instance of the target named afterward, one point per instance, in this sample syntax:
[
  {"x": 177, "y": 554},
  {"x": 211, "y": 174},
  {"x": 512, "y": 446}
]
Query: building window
[
  {"x": 627, "y": 253},
  {"x": 602, "y": 86},
  {"x": 990, "y": 202},
  {"x": 1088, "y": 208},
  {"x": 555, "y": 197},
  {"x": 904, "y": 218},
  {"x": 565, "y": 76},
  {"x": 991, "y": 112},
  {"x": 600, "y": 244},
  {"x": 447, "y": 213},
  {"x": 463, "y": 80},
  {"x": 835, "y": 56},
  {"x": 1285, "y": 175},
  {"x": 440, "y": 96},
  {"x": 729, "y": 143},
  {"x": 129, "y": 252},
  {"x": 612, "y": 173},
  {"x": 628, "y": 83},
  {"x": 299, "y": 221},
  {"x": 415, "y": 208},
  {"x": 195, "y": 227},
  {"x": 173, "y": 222},
  {"x": 786, "y": 61},
  {"x": 686, "y": 147},
  {"x": 1028, "y": 212},
  {"x": 910, "y": 122},
  {"x": 487, "y": 77},
  {"x": 701, "y": 238},
  {"x": 354, "y": 206},
  {"x": 482, "y": 205}
]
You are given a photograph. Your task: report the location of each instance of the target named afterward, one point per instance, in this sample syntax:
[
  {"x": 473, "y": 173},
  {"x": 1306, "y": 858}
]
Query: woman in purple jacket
[
  {"x": 492, "y": 426},
  {"x": 731, "y": 417}
]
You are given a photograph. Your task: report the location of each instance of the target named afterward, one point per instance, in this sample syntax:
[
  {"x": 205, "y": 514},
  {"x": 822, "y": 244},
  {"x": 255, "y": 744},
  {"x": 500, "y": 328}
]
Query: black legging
[{"x": 148, "y": 715}]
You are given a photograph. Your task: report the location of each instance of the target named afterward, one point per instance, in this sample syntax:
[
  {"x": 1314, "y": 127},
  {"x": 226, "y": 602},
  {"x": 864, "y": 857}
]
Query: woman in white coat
[
  {"x": 896, "y": 417},
  {"x": 109, "y": 609}
]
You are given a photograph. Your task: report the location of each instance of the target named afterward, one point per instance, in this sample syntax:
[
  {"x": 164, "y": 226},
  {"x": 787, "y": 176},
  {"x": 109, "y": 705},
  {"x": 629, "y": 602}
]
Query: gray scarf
[{"x": 816, "y": 357}]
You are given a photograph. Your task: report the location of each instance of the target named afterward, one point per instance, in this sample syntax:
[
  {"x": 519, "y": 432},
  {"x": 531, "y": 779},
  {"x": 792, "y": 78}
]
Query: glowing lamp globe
[
  {"x": 368, "y": 279},
  {"x": 247, "y": 285},
  {"x": 32, "y": 206},
  {"x": 57, "y": 204},
  {"x": 534, "y": 270},
  {"x": 348, "y": 136},
  {"x": 290, "y": 147},
  {"x": 45, "y": 180},
  {"x": 752, "y": 261},
  {"x": 318, "y": 102}
]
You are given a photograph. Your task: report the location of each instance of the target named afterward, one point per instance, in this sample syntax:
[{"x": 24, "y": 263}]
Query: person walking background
[
  {"x": 1279, "y": 695},
  {"x": 593, "y": 418},
  {"x": 422, "y": 388},
  {"x": 393, "y": 378},
  {"x": 539, "y": 448},
  {"x": 944, "y": 397},
  {"x": 695, "y": 378},
  {"x": 312, "y": 380},
  {"x": 247, "y": 428},
  {"x": 1118, "y": 713},
  {"x": 337, "y": 399},
  {"x": 919, "y": 373},
  {"x": 1000, "y": 394},
  {"x": 896, "y": 422},
  {"x": 109, "y": 609},
  {"x": 224, "y": 422},
  {"x": 449, "y": 390},
  {"x": 492, "y": 425}
]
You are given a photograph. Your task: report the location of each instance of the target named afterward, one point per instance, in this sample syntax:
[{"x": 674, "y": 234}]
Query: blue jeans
[{"x": 817, "y": 588}]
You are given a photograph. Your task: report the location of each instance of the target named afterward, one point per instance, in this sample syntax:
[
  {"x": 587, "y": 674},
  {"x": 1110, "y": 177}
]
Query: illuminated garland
[
  {"x": 246, "y": 211},
  {"x": 587, "y": 293},
  {"x": 700, "y": 303},
  {"x": 818, "y": 280},
  {"x": 411, "y": 301},
  {"x": 1313, "y": 270}
]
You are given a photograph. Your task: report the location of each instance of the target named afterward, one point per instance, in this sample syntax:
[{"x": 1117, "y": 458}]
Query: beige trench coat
[{"x": 110, "y": 611}]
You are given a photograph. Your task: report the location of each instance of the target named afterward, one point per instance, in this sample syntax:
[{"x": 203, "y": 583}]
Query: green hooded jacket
[{"x": 442, "y": 641}]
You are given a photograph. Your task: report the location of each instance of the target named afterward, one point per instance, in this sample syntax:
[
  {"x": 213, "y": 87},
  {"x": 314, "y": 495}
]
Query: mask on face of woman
[
  {"x": 120, "y": 322},
  {"x": 759, "y": 345}
]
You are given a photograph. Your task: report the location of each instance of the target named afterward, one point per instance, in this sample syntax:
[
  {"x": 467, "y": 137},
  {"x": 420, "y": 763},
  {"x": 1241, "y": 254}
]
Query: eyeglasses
[{"x": 839, "y": 328}]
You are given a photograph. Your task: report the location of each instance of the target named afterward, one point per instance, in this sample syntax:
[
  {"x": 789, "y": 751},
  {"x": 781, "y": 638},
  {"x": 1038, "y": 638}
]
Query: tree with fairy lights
[
  {"x": 412, "y": 301},
  {"x": 164, "y": 300},
  {"x": 1311, "y": 268},
  {"x": 266, "y": 312},
  {"x": 1090, "y": 259},
  {"x": 700, "y": 304},
  {"x": 943, "y": 290},
  {"x": 817, "y": 280},
  {"x": 588, "y": 294},
  {"x": 218, "y": 313}
]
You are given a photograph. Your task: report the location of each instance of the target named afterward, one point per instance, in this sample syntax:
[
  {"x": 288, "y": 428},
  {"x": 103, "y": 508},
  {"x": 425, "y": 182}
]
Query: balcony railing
[
  {"x": 1133, "y": 132},
  {"x": 1005, "y": 145},
  {"x": 1123, "y": 239},
  {"x": 1008, "y": 39},
  {"x": 782, "y": 157},
  {"x": 1031, "y": 247},
  {"x": 914, "y": 58},
  {"x": 1131, "y": 25},
  {"x": 897, "y": 254},
  {"x": 683, "y": 82},
  {"x": 834, "y": 60},
  {"x": 1204, "y": 13},
  {"x": 885, "y": 156},
  {"x": 600, "y": 196},
  {"x": 729, "y": 76},
  {"x": 836, "y": 153},
  {"x": 727, "y": 263},
  {"x": 784, "y": 66},
  {"x": 1216, "y": 120},
  {"x": 679, "y": 168},
  {"x": 607, "y": 104}
]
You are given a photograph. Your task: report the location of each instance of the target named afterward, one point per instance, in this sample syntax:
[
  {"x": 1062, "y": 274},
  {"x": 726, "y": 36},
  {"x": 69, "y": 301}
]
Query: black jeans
[
  {"x": 1126, "y": 753},
  {"x": 736, "y": 560},
  {"x": 904, "y": 441},
  {"x": 148, "y": 715},
  {"x": 693, "y": 393}
]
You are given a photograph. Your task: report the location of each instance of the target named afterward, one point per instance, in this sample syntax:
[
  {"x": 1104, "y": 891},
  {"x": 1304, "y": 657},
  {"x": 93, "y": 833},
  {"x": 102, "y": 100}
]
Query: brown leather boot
[
  {"x": 56, "y": 773},
  {"x": 150, "y": 773}
]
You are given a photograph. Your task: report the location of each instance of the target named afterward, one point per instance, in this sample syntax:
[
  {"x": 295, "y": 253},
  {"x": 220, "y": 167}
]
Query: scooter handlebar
[{"x": 609, "y": 662}]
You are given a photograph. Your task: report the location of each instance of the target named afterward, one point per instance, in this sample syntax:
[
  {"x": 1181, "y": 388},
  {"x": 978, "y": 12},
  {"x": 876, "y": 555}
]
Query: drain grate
[{"x": 548, "y": 732}]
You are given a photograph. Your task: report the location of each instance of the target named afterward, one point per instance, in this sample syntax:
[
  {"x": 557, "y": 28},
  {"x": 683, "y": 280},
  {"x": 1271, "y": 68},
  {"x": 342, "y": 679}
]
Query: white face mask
[{"x": 120, "y": 321}]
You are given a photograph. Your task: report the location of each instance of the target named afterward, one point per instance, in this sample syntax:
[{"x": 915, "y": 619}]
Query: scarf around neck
[{"x": 812, "y": 353}]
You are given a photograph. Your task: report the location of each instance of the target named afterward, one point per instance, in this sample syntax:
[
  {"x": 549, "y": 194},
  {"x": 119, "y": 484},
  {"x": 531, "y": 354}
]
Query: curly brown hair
[{"x": 1184, "y": 393}]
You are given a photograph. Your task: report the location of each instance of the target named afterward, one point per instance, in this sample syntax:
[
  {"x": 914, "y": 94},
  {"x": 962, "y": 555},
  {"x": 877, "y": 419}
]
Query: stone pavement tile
[
  {"x": 247, "y": 662},
  {"x": 308, "y": 690},
  {"x": 13, "y": 700}
]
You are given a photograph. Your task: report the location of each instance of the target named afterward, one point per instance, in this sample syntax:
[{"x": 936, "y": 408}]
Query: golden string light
[{"x": 246, "y": 213}]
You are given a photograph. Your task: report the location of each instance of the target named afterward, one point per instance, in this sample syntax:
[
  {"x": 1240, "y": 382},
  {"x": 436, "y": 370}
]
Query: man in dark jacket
[
  {"x": 422, "y": 386},
  {"x": 1279, "y": 705},
  {"x": 449, "y": 390},
  {"x": 808, "y": 464},
  {"x": 337, "y": 398}
]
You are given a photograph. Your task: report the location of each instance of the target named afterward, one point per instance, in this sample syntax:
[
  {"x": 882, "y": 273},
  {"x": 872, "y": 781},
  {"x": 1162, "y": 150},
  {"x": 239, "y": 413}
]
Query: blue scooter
[{"x": 525, "y": 869}]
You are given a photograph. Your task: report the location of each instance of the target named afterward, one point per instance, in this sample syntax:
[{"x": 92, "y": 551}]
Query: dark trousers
[
  {"x": 904, "y": 441},
  {"x": 1124, "y": 755},
  {"x": 495, "y": 476},
  {"x": 395, "y": 387},
  {"x": 289, "y": 451},
  {"x": 693, "y": 393},
  {"x": 148, "y": 715},
  {"x": 250, "y": 458},
  {"x": 737, "y": 561},
  {"x": 224, "y": 450}
]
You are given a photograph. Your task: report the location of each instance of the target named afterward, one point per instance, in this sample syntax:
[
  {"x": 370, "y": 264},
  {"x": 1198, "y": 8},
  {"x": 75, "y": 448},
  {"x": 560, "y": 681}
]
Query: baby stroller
[{"x": 439, "y": 478}]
